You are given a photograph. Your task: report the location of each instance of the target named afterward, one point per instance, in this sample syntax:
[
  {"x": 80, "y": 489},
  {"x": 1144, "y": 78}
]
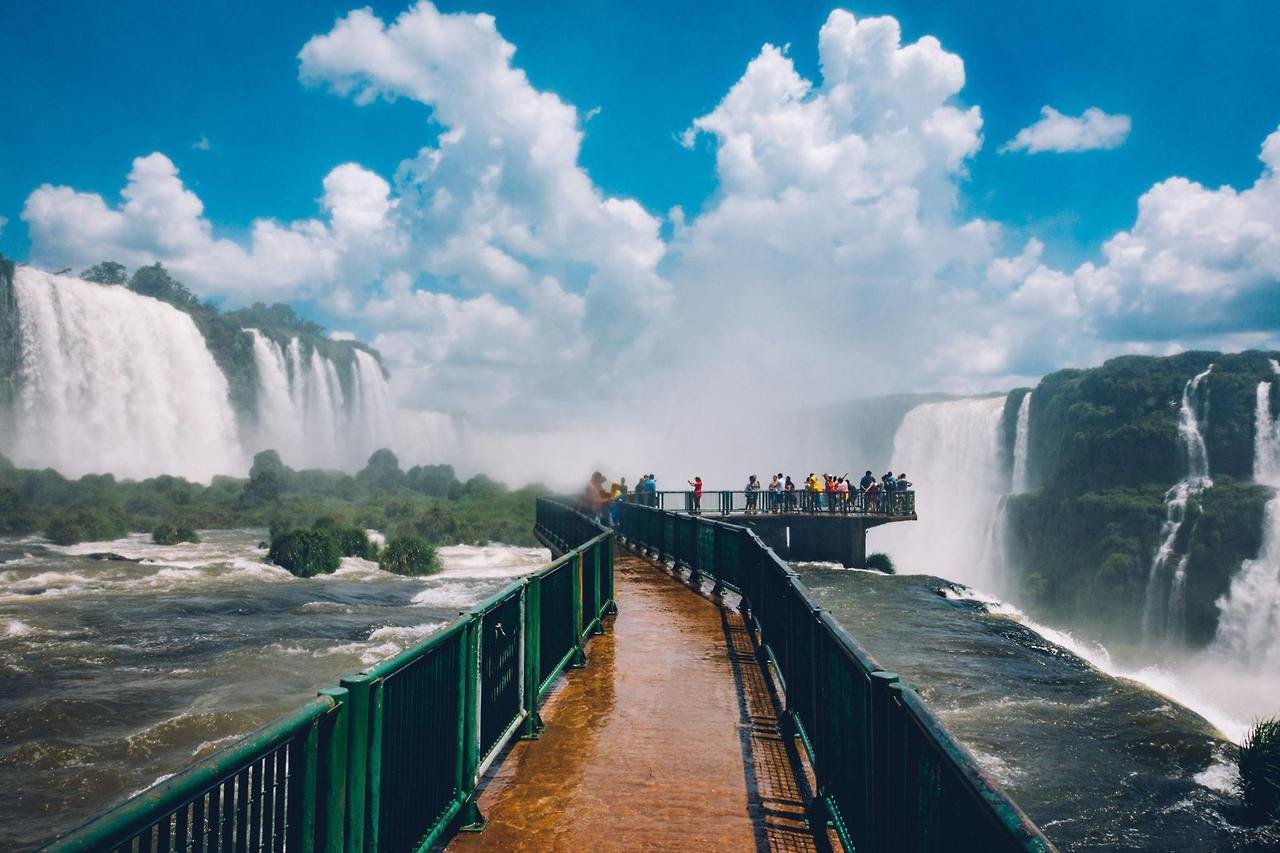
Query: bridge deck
[{"x": 668, "y": 739}]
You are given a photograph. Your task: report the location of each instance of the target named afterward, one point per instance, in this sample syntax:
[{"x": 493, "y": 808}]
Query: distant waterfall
[
  {"x": 951, "y": 452},
  {"x": 113, "y": 381},
  {"x": 1249, "y": 614},
  {"x": 1165, "y": 604},
  {"x": 1021, "y": 435},
  {"x": 306, "y": 413}
]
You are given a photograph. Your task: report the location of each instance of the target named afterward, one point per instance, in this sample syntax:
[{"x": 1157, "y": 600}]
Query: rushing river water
[
  {"x": 113, "y": 673},
  {"x": 1099, "y": 763}
]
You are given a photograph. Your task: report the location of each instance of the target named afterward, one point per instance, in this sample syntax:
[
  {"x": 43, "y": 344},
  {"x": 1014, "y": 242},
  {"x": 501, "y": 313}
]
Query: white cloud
[
  {"x": 1091, "y": 131},
  {"x": 201, "y": 144}
]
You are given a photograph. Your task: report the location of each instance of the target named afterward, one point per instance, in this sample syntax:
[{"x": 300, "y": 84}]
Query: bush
[
  {"x": 352, "y": 540},
  {"x": 172, "y": 534},
  {"x": 1258, "y": 758},
  {"x": 306, "y": 553},
  {"x": 880, "y": 562},
  {"x": 72, "y": 526},
  {"x": 411, "y": 556}
]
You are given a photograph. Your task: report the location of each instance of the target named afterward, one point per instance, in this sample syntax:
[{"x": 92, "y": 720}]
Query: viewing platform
[{"x": 801, "y": 526}]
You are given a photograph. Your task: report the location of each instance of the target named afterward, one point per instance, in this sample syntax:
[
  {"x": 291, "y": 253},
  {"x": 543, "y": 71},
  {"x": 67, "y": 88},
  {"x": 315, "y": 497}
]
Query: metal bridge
[{"x": 686, "y": 694}]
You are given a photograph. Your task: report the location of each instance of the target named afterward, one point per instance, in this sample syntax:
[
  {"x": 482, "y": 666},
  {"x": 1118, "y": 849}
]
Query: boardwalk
[{"x": 667, "y": 740}]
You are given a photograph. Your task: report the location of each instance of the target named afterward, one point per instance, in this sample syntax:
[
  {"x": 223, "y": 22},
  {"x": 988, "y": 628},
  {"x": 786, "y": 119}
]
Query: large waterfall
[
  {"x": 112, "y": 381},
  {"x": 305, "y": 412},
  {"x": 951, "y": 452},
  {"x": 1249, "y": 621},
  {"x": 1165, "y": 606}
]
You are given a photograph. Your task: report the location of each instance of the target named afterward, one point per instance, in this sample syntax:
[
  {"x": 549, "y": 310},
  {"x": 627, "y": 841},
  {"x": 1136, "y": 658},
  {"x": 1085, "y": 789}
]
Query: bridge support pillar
[{"x": 816, "y": 538}]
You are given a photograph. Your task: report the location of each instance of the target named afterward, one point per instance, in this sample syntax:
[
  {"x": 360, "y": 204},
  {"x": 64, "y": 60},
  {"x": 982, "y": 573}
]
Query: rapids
[{"x": 114, "y": 674}]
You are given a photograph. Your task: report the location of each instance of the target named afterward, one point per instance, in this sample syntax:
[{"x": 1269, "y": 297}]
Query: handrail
[
  {"x": 728, "y": 502},
  {"x": 890, "y": 775},
  {"x": 392, "y": 758}
]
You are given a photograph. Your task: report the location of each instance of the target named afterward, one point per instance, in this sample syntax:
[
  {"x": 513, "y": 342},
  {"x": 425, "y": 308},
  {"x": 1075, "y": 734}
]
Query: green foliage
[
  {"x": 155, "y": 281},
  {"x": 172, "y": 534},
  {"x": 106, "y": 272},
  {"x": 880, "y": 562},
  {"x": 306, "y": 553},
  {"x": 434, "y": 505},
  {"x": 352, "y": 540},
  {"x": 80, "y": 524},
  {"x": 411, "y": 556},
  {"x": 1258, "y": 759}
]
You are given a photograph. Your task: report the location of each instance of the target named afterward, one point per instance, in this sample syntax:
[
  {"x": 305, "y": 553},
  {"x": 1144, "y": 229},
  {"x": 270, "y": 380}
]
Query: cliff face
[
  {"x": 1104, "y": 448},
  {"x": 10, "y": 342}
]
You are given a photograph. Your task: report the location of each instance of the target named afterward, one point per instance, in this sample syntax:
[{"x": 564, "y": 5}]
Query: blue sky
[
  {"x": 1007, "y": 246},
  {"x": 89, "y": 86}
]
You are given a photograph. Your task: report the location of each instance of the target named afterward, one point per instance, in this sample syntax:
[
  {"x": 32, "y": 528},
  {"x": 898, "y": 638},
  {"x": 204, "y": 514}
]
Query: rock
[{"x": 112, "y": 557}]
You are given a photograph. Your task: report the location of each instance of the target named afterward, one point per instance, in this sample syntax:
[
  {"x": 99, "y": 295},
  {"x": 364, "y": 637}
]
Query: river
[
  {"x": 1098, "y": 762},
  {"x": 114, "y": 674}
]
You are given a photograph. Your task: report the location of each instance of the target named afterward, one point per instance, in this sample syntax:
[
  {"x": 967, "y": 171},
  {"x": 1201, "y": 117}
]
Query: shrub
[
  {"x": 880, "y": 562},
  {"x": 352, "y": 540},
  {"x": 172, "y": 534},
  {"x": 306, "y": 553},
  {"x": 71, "y": 526},
  {"x": 411, "y": 556},
  {"x": 1258, "y": 759}
]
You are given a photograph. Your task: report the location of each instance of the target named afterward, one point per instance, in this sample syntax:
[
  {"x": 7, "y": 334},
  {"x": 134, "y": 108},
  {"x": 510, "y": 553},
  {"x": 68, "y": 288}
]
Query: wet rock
[{"x": 112, "y": 557}]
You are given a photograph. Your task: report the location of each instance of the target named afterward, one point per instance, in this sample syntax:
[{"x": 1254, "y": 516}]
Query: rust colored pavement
[{"x": 667, "y": 740}]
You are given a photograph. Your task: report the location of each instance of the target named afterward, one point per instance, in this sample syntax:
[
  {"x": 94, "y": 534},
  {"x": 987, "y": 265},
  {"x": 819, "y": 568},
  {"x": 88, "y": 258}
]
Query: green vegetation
[
  {"x": 426, "y": 501},
  {"x": 170, "y": 534},
  {"x": 1258, "y": 759},
  {"x": 1103, "y": 451},
  {"x": 880, "y": 562},
  {"x": 306, "y": 553},
  {"x": 411, "y": 556}
]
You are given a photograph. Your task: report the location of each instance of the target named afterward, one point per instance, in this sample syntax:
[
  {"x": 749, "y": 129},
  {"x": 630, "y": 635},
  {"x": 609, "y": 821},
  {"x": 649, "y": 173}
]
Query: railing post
[
  {"x": 532, "y": 657},
  {"x": 359, "y": 712},
  {"x": 717, "y": 559},
  {"x": 597, "y": 610},
  {"x": 331, "y": 825},
  {"x": 304, "y": 763},
  {"x": 575, "y": 573},
  {"x": 471, "y": 819}
]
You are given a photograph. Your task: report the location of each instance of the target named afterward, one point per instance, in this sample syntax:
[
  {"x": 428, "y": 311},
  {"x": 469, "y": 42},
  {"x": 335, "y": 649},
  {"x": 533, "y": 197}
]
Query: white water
[
  {"x": 1249, "y": 613},
  {"x": 1165, "y": 604},
  {"x": 1021, "y": 437},
  {"x": 113, "y": 381},
  {"x": 304, "y": 413},
  {"x": 951, "y": 452}
]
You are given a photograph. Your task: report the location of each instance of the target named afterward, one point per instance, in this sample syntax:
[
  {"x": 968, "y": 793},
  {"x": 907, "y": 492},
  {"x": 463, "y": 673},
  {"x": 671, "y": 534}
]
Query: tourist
[
  {"x": 595, "y": 497},
  {"x": 753, "y": 492},
  {"x": 872, "y": 496},
  {"x": 901, "y": 488},
  {"x": 842, "y": 491},
  {"x": 696, "y": 482},
  {"x": 775, "y": 493},
  {"x": 789, "y": 489}
]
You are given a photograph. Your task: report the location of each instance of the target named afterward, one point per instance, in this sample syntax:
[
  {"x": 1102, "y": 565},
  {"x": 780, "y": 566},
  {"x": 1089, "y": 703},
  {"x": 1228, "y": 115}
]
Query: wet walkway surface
[{"x": 667, "y": 740}]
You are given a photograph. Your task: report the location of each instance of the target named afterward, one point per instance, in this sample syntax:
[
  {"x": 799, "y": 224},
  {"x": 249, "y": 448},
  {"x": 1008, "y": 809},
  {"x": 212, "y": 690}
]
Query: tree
[
  {"x": 411, "y": 556},
  {"x": 106, "y": 272},
  {"x": 382, "y": 474},
  {"x": 156, "y": 282}
]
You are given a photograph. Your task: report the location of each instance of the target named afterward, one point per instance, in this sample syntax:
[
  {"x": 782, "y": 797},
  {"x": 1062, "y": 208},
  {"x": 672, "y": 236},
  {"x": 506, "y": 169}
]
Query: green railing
[
  {"x": 391, "y": 758},
  {"x": 890, "y": 776}
]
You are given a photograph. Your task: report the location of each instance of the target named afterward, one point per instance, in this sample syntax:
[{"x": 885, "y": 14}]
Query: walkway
[{"x": 667, "y": 740}]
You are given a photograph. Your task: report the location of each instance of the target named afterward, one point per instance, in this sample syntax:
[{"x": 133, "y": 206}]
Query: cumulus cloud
[
  {"x": 1090, "y": 131},
  {"x": 159, "y": 219}
]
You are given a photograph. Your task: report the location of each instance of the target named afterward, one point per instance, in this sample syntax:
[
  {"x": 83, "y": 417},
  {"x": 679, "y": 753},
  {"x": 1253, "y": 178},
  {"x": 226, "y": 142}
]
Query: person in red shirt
[{"x": 696, "y": 482}]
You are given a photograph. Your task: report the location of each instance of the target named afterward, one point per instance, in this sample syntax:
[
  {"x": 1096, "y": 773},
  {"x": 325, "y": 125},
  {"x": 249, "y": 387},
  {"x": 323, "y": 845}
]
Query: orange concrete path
[{"x": 667, "y": 740}]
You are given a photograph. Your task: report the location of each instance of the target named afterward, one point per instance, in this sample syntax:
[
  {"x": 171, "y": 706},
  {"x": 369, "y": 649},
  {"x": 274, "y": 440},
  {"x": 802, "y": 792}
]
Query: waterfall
[
  {"x": 951, "y": 452},
  {"x": 306, "y": 415},
  {"x": 1249, "y": 613},
  {"x": 114, "y": 381},
  {"x": 1164, "y": 607},
  {"x": 1021, "y": 436}
]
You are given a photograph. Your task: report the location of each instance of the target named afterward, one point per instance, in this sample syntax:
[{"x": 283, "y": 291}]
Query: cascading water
[
  {"x": 113, "y": 381},
  {"x": 1165, "y": 606},
  {"x": 305, "y": 414},
  {"x": 1020, "y": 442},
  {"x": 951, "y": 452},
  {"x": 1249, "y": 614}
]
